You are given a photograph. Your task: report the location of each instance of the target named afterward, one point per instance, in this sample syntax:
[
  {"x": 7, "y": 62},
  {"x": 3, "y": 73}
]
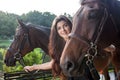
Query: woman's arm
[{"x": 44, "y": 66}]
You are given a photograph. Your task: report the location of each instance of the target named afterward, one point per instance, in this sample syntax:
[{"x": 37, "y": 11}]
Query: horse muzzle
[{"x": 10, "y": 62}]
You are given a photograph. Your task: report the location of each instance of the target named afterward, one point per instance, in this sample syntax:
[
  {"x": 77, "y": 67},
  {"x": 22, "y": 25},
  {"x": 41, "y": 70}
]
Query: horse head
[
  {"x": 27, "y": 37},
  {"x": 19, "y": 46},
  {"x": 89, "y": 33}
]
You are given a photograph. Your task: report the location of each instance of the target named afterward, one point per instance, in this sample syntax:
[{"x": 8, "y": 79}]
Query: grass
[{"x": 4, "y": 43}]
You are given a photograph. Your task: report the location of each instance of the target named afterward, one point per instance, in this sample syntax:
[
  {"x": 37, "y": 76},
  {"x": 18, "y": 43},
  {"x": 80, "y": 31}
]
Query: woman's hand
[{"x": 30, "y": 68}]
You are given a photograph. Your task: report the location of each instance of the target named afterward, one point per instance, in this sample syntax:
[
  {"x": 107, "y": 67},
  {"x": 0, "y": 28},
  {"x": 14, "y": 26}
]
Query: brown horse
[
  {"x": 96, "y": 25},
  {"x": 27, "y": 37}
]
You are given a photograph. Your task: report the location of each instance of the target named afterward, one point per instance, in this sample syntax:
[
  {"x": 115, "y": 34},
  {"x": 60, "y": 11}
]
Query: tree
[
  {"x": 7, "y": 25},
  {"x": 39, "y": 18}
]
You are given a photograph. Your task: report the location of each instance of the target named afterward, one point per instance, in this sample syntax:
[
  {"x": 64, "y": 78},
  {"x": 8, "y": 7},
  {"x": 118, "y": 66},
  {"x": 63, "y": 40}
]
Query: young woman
[{"x": 60, "y": 29}]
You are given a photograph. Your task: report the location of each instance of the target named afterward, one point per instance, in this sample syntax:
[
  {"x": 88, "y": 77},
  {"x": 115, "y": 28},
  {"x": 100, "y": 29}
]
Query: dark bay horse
[
  {"x": 27, "y": 37},
  {"x": 96, "y": 25}
]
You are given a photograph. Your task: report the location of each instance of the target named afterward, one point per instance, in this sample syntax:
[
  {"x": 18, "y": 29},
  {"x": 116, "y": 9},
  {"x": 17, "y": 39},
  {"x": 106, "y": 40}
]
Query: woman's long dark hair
[{"x": 56, "y": 44}]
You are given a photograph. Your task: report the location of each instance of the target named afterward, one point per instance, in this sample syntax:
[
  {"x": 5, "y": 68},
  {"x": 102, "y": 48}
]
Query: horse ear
[
  {"x": 21, "y": 23},
  {"x": 82, "y": 1}
]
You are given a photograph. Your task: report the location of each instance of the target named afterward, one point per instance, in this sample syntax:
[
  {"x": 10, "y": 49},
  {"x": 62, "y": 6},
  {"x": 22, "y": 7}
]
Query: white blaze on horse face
[{"x": 63, "y": 29}]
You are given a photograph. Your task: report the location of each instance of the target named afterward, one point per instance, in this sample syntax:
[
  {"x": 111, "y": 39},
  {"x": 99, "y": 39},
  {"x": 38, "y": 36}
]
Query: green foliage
[
  {"x": 4, "y": 43},
  {"x": 7, "y": 25},
  {"x": 39, "y": 18},
  {"x": 18, "y": 67},
  {"x": 2, "y": 52},
  {"x": 3, "y": 67},
  {"x": 34, "y": 57}
]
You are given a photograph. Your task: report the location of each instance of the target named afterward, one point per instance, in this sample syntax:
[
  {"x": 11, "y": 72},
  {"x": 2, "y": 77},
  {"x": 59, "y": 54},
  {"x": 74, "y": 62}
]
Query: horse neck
[{"x": 39, "y": 39}]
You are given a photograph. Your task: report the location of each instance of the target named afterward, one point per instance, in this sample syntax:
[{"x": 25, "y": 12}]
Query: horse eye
[
  {"x": 90, "y": 6},
  {"x": 15, "y": 37},
  {"x": 92, "y": 15}
]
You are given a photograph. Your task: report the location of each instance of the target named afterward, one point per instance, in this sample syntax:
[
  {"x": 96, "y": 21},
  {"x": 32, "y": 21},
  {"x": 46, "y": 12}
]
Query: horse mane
[{"x": 45, "y": 29}]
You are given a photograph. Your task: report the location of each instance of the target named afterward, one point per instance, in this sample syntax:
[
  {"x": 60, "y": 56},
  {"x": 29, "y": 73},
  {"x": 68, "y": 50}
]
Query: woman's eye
[
  {"x": 58, "y": 28},
  {"x": 65, "y": 25}
]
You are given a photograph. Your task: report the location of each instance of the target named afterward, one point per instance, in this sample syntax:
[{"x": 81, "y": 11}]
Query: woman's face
[{"x": 63, "y": 29}]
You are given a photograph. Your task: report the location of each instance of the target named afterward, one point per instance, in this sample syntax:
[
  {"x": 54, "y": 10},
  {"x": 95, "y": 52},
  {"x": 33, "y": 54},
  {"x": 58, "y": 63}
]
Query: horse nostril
[
  {"x": 69, "y": 66},
  {"x": 5, "y": 61}
]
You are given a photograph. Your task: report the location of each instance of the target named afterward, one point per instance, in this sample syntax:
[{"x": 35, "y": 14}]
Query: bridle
[
  {"x": 18, "y": 56},
  {"x": 18, "y": 53},
  {"x": 92, "y": 44}
]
